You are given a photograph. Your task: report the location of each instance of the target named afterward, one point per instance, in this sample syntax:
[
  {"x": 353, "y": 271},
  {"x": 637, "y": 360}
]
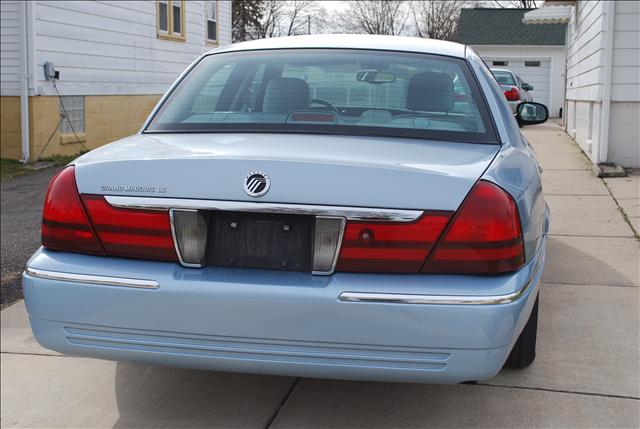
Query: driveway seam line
[
  {"x": 586, "y": 284},
  {"x": 41, "y": 354},
  {"x": 570, "y": 392},
  {"x": 282, "y": 404},
  {"x": 548, "y": 194},
  {"x": 593, "y": 236}
]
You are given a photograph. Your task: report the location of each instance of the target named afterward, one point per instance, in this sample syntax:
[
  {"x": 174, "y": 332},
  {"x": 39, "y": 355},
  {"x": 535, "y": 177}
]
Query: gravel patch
[{"x": 21, "y": 215}]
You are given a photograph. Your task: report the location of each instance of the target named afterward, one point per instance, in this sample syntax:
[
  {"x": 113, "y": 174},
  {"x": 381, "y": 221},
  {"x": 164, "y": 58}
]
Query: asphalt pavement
[
  {"x": 586, "y": 373},
  {"x": 21, "y": 201}
]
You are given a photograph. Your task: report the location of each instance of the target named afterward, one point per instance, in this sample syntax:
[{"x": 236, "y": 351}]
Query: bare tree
[
  {"x": 436, "y": 19},
  {"x": 375, "y": 17},
  {"x": 524, "y": 4},
  {"x": 288, "y": 18},
  {"x": 272, "y": 11},
  {"x": 301, "y": 16}
]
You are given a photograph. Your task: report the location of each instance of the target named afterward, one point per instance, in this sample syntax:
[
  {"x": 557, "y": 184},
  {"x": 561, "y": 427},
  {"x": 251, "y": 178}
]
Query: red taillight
[
  {"x": 485, "y": 236},
  {"x": 88, "y": 224},
  {"x": 144, "y": 234},
  {"x": 512, "y": 94},
  {"x": 390, "y": 247},
  {"x": 65, "y": 225}
]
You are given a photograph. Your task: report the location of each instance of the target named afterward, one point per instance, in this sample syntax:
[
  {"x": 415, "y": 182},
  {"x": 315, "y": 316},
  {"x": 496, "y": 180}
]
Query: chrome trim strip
[
  {"x": 351, "y": 213},
  {"x": 175, "y": 240},
  {"x": 343, "y": 222},
  {"x": 92, "y": 279},
  {"x": 397, "y": 298}
]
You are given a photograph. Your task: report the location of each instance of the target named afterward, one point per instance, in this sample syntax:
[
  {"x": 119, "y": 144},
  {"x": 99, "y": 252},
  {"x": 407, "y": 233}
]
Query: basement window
[
  {"x": 500, "y": 63},
  {"x": 532, "y": 63},
  {"x": 73, "y": 105}
]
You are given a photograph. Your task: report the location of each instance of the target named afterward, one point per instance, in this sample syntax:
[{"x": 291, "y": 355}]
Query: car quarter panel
[{"x": 515, "y": 168}]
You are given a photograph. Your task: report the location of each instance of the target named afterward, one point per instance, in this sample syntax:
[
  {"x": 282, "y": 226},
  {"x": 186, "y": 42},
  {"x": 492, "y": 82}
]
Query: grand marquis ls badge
[{"x": 256, "y": 183}]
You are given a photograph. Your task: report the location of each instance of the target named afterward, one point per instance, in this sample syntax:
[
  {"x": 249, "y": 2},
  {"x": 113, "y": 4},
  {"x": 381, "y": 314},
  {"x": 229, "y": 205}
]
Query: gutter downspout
[
  {"x": 603, "y": 146},
  {"x": 565, "y": 101},
  {"x": 24, "y": 82}
]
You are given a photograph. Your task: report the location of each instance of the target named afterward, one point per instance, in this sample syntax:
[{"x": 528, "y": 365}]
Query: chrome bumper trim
[
  {"x": 397, "y": 298},
  {"x": 351, "y": 213},
  {"x": 96, "y": 280}
]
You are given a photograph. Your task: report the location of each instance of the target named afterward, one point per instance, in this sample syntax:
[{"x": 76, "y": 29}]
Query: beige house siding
[
  {"x": 10, "y": 135},
  {"x": 107, "y": 118}
]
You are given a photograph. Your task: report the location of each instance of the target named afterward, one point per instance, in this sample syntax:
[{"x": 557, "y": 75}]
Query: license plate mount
[{"x": 261, "y": 240}]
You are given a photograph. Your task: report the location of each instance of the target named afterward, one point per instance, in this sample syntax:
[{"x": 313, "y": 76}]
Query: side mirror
[
  {"x": 530, "y": 113},
  {"x": 527, "y": 87}
]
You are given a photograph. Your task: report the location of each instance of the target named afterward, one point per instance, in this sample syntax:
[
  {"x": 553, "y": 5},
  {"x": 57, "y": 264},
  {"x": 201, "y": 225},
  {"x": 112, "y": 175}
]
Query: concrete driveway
[{"x": 586, "y": 373}]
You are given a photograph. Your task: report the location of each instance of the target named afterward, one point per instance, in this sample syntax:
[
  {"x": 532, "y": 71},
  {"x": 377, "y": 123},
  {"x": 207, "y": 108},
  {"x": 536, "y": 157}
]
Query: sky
[{"x": 332, "y": 5}]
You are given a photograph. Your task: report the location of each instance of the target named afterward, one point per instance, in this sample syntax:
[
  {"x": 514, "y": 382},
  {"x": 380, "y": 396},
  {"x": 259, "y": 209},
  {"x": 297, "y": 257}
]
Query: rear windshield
[
  {"x": 504, "y": 77},
  {"x": 353, "y": 92}
]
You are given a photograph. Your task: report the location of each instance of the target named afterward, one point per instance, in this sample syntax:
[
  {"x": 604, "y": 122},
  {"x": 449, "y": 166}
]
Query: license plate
[{"x": 256, "y": 240}]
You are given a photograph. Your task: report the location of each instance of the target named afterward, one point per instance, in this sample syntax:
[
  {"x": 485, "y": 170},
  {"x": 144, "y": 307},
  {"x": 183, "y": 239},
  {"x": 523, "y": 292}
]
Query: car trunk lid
[{"x": 303, "y": 169}]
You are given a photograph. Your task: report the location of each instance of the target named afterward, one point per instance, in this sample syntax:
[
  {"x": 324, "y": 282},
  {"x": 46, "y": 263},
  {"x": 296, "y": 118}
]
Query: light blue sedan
[{"x": 356, "y": 207}]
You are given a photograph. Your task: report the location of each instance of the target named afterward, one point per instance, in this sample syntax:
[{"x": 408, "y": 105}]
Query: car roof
[
  {"x": 502, "y": 70},
  {"x": 352, "y": 41}
]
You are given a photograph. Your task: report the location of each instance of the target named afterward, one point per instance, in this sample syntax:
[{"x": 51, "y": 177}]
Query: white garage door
[{"x": 534, "y": 71}]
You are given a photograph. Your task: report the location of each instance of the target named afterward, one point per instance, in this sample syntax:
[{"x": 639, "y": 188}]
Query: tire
[{"x": 524, "y": 350}]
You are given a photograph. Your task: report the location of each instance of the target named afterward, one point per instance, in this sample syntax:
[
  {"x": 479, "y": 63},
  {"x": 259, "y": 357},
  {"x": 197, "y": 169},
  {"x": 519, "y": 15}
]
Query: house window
[
  {"x": 72, "y": 107},
  {"x": 500, "y": 63},
  {"x": 163, "y": 17},
  {"x": 170, "y": 20},
  {"x": 211, "y": 14},
  {"x": 532, "y": 63}
]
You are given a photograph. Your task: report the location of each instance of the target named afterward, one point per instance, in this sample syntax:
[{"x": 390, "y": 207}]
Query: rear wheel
[{"x": 524, "y": 351}]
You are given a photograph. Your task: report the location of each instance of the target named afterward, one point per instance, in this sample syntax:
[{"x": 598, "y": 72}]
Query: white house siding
[
  {"x": 625, "y": 78},
  {"x": 9, "y": 48},
  {"x": 624, "y": 131},
  {"x": 548, "y": 89},
  {"x": 111, "y": 47},
  {"x": 624, "y": 134},
  {"x": 586, "y": 58},
  {"x": 224, "y": 15}
]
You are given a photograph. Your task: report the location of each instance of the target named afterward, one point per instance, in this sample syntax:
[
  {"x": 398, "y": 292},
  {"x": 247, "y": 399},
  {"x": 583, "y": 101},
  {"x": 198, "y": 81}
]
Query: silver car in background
[{"x": 515, "y": 89}]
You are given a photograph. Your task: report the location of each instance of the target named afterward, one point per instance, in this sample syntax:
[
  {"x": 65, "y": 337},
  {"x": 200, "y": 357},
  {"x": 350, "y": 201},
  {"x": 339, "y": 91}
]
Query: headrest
[
  {"x": 285, "y": 94},
  {"x": 430, "y": 92}
]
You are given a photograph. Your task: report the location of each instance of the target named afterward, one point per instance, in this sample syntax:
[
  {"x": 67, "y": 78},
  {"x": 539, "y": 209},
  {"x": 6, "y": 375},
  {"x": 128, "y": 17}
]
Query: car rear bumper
[{"x": 428, "y": 328}]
